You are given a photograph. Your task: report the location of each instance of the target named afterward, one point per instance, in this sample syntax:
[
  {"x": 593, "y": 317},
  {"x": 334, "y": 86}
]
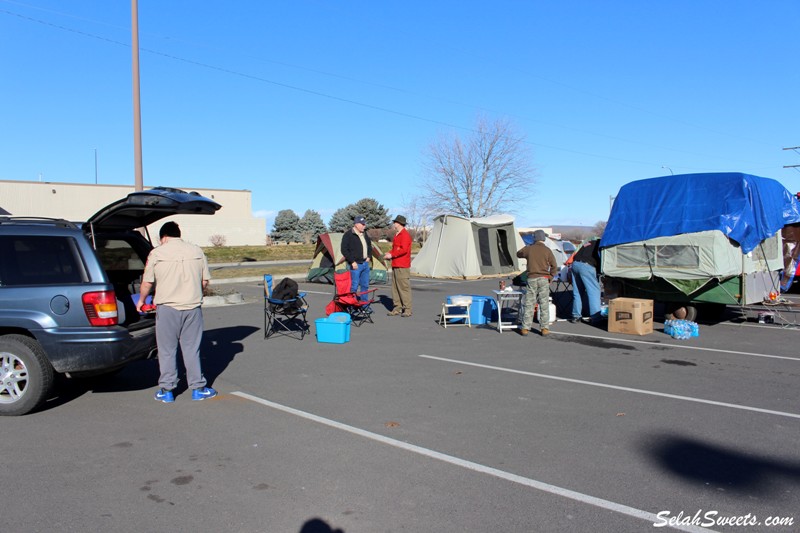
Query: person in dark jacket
[
  {"x": 585, "y": 282},
  {"x": 357, "y": 252}
]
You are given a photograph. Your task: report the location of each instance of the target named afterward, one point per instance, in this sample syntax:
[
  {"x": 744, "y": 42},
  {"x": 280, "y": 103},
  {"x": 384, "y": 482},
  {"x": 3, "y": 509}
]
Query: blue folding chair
[{"x": 284, "y": 316}]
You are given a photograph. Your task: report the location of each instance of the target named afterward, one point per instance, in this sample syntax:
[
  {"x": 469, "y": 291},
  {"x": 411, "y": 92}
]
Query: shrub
[{"x": 217, "y": 240}]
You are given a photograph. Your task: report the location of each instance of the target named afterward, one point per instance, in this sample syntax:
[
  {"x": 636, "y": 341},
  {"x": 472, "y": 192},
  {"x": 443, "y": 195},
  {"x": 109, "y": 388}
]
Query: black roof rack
[{"x": 38, "y": 221}]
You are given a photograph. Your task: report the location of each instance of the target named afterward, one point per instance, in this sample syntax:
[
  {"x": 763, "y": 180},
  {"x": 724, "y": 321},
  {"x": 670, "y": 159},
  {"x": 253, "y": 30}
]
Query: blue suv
[{"x": 66, "y": 293}]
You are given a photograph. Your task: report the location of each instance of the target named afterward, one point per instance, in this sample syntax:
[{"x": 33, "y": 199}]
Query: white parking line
[
  {"x": 476, "y": 467},
  {"x": 682, "y": 346},
  {"x": 615, "y": 387}
]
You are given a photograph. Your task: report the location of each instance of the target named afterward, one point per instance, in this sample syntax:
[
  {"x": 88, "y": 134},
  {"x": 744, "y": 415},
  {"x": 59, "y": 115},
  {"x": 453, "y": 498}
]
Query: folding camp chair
[
  {"x": 350, "y": 302},
  {"x": 284, "y": 316}
]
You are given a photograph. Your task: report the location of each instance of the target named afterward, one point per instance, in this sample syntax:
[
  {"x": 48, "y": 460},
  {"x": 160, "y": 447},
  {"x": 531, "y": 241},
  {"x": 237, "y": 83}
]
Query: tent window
[
  {"x": 768, "y": 248},
  {"x": 502, "y": 248},
  {"x": 633, "y": 256},
  {"x": 663, "y": 256},
  {"x": 677, "y": 256},
  {"x": 484, "y": 247}
]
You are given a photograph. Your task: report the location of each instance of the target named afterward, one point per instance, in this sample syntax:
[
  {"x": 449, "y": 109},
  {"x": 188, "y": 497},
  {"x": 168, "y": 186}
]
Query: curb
[{"x": 253, "y": 279}]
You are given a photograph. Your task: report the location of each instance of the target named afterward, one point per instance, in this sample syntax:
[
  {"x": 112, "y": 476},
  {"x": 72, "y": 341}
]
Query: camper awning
[{"x": 747, "y": 209}]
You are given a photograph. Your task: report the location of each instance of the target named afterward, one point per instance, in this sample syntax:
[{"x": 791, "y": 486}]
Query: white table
[{"x": 508, "y": 300}]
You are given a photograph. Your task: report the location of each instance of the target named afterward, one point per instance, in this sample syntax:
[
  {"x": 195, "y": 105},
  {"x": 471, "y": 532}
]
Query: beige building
[{"x": 79, "y": 201}]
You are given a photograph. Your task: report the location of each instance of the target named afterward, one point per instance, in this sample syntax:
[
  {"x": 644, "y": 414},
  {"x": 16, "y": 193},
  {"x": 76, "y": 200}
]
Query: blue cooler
[
  {"x": 334, "y": 329},
  {"x": 483, "y": 310},
  {"x": 457, "y": 299}
]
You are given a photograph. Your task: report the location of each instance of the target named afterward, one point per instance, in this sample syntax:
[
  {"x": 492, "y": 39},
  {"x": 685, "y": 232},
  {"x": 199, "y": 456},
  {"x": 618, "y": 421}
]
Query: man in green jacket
[{"x": 542, "y": 267}]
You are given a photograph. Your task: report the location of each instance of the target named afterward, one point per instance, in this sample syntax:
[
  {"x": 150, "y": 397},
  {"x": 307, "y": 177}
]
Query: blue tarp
[{"x": 748, "y": 209}]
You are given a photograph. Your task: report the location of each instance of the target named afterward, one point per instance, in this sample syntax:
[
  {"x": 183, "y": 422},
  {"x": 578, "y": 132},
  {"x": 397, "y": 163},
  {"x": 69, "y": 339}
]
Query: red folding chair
[{"x": 356, "y": 304}]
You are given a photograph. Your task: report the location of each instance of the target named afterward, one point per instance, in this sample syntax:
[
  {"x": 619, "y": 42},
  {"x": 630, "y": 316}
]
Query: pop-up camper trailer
[{"x": 697, "y": 239}]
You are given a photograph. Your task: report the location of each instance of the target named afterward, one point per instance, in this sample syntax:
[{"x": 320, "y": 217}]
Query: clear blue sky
[{"x": 315, "y": 104}]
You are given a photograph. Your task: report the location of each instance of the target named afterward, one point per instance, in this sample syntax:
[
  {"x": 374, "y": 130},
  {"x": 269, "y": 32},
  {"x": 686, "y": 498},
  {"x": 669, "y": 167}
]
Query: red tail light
[{"x": 101, "y": 308}]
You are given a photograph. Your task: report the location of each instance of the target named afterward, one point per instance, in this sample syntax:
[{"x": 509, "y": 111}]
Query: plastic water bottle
[
  {"x": 695, "y": 329},
  {"x": 676, "y": 329}
]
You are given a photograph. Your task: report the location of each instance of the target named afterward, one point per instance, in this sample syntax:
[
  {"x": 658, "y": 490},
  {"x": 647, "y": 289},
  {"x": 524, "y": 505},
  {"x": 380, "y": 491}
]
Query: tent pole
[{"x": 438, "y": 245}]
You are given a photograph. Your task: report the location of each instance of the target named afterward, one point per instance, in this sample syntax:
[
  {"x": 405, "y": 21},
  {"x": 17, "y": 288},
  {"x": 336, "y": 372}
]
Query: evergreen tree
[
  {"x": 342, "y": 219},
  {"x": 377, "y": 216},
  {"x": 310, "y": 227},
  {"x": 285, "y": 227}
]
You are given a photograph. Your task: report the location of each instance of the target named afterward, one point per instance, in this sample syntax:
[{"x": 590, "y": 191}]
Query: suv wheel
[{"x": 25, "y": 375}]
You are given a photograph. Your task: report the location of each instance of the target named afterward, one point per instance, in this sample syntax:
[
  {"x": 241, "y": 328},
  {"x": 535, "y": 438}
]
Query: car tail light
[{"x": 101, "y": 308}]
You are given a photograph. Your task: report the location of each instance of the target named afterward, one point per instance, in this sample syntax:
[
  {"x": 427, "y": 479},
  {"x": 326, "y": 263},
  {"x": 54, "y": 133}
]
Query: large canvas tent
[
  {"x": 556, "y": 246},
  {"x": 328, "y": 257},
  {"x": 469, "y": 248}
]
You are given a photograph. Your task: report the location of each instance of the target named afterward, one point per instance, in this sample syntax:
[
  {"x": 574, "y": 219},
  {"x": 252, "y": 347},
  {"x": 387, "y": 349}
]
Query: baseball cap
[{"x": 360, "y": 220}]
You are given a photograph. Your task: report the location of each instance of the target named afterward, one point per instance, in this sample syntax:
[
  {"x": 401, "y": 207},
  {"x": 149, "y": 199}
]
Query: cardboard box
[{"x": 631, "y": 316}]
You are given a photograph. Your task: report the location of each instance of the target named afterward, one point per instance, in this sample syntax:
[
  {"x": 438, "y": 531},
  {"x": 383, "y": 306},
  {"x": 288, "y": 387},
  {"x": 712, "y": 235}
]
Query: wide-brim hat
[{"x": 400, "y": 219}]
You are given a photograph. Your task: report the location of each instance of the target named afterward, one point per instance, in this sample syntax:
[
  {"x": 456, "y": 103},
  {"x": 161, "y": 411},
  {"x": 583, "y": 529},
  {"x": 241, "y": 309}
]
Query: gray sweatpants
[{"x": 175, "y": 327}]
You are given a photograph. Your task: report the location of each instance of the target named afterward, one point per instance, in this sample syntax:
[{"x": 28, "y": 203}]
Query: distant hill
[
  {"x": 574, "y": 233},
  {"x": 563, "y": 229}
]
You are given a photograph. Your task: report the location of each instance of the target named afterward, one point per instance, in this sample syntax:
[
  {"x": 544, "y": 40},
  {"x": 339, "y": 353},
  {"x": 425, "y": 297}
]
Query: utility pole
[
  {"x": 137, "y": 111},
  {"x": 796, "y": 167}
]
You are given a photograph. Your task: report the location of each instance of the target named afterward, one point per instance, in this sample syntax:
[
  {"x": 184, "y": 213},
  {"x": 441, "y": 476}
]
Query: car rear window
[{"x": 40, "y": 260}]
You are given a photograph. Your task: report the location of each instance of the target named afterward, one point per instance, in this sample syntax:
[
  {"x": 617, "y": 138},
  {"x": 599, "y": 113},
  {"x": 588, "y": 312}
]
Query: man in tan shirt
[{"x": 179, "y": 272}]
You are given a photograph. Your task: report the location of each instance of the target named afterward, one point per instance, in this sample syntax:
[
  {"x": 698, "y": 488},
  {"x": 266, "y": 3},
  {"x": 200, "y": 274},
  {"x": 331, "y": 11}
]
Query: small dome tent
[{"x": 328, "y": 257}]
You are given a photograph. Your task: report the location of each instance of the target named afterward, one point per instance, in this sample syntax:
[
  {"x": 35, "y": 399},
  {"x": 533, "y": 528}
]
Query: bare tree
[
  {"x": 418, "y": 218},
  {"x": 217, "y": 240},
  {"x": 488, "y": 173}
]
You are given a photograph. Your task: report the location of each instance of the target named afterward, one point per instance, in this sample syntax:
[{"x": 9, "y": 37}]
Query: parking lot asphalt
[{"x": 413, "y": 427}]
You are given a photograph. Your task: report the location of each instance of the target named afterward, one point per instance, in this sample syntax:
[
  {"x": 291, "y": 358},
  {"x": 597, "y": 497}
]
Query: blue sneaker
[
  {"x": 203, "y": 394},
  {"x": 164, "y": 395}
]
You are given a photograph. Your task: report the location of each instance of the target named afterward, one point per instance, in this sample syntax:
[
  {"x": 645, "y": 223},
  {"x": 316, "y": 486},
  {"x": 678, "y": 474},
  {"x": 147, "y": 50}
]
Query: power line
[
  {"x": 796, "y": 150},
  {"x": 381, "y": 108}
]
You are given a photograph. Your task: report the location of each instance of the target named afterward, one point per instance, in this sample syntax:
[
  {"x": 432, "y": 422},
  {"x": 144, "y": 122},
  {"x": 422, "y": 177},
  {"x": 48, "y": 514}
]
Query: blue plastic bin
[
  {"x": 483, "y": 310},
  {"x": 334, "y": 329},
  {"x": 460, "y": 310}
]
